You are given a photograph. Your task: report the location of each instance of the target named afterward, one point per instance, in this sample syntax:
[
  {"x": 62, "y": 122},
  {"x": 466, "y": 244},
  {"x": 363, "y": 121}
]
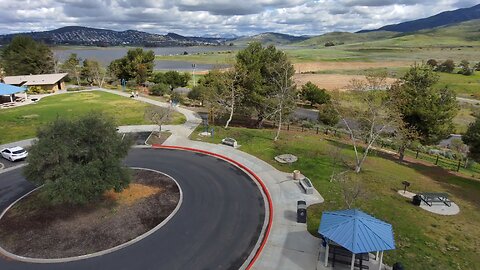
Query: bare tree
[
  {"x": 158, "y": 115},
  {"x": 339, "y": 161},
  {"x": 367, "y": 121},
  {"x": 281, "y": 100},
  {"x": 233, "y": 93},
  {"x": 352, "y": 189}
]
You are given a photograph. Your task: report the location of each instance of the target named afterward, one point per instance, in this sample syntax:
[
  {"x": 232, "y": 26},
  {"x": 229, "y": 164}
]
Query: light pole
[{"x": 193, "y": 73}]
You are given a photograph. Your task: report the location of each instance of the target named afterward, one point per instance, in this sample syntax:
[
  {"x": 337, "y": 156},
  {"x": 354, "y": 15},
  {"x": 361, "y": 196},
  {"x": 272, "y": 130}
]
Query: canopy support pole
[
  {"x": 353, "y": 261},
  {"x": 326, "y": 254},
  {"x": 11, "y": 98},
  {"x": 381, "y": 259}
]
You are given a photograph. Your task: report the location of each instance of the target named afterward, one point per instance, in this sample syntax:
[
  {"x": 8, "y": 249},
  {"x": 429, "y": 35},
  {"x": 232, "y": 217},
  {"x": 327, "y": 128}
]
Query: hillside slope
[{"x": 441, "y": 19}]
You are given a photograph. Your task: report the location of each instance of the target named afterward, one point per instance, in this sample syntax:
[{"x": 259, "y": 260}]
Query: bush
[
  {"x": 78, "y": 160},
  {"x": 329, "y": 44},
  {"x": 159, "y": 89},
  {"x": 37, "y": 90},
  {"x": 327, "y": 115},
  {"x": 447, "y": 66},
  {"x": 176, "y": 97}
]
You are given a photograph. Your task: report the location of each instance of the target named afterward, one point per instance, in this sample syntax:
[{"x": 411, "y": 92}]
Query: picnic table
[
  {"x": 433, "y": 197},
  {"x": 342, "y": 255}
]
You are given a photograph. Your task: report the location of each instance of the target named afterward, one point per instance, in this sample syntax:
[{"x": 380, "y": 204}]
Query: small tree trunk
[
  {"x": 260, "y": 121},
  {"x": 279, "y": 124},
  {"x": 401, "y": 152}
]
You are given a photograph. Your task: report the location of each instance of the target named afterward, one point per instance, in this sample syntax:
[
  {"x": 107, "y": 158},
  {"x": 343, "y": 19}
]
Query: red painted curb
[{"x": 264, "y": 188}]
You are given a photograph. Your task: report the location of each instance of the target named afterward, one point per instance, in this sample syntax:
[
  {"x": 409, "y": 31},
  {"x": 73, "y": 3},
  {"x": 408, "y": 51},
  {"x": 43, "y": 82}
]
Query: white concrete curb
[{"x": 100, "y": 253}]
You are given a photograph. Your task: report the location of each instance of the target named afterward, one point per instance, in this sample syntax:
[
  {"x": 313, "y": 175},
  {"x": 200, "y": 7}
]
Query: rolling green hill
[
  {"x": 269, "y": 39},
  {"x": 461, "y": 34},
  {"x": 340, "y": 38}
]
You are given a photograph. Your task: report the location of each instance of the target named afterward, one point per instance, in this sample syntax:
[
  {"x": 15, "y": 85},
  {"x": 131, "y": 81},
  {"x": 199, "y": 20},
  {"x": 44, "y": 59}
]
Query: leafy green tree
[
  {"x": 447, "y": 66},
  {"x": 432, "y": 63},
  {"x": 159, "y": 89},
  {"x": 72, "y": 66},
  {"x": 424, "y": 109},
  {"x": 93, "y": 72},
  {"x": 465, "y": 68},
  {"x": 328, "y": 115},
  {"x": 199, "y": 93},
  {"x": 172, "y": 78},
  {"x": 314, "y": 94},
  {"x": 261, "y": 69},
  {"x": 472, "y": 139},
  {"x": 137, "y": 64},
  {"x": 78, "y": 160},
  {"x": 26, "y": 56}
]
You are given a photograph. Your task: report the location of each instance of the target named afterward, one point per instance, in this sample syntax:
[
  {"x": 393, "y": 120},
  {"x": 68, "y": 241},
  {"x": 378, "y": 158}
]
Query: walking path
[{"x": 289, "y": 245}]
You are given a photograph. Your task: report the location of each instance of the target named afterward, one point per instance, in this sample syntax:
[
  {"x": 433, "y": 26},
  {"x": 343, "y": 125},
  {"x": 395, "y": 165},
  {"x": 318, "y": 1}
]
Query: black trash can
[
  {"x": 397, "y": 266},
  {"x": 417, "y": 200},
  {"x": 301, "y": 212}
]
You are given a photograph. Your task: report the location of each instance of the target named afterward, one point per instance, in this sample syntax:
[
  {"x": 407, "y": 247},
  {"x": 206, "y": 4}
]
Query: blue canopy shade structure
[
  {"x": 6, "y": 89},
  {"x": 357, "y": 231}
]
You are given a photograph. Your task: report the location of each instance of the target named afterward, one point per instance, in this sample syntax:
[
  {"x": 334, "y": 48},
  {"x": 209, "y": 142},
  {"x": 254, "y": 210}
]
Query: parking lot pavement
[{"x": 5, "y": 164}]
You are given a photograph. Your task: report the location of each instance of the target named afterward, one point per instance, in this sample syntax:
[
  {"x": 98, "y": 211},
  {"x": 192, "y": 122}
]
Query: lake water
[{"x": 107, "y": 55}]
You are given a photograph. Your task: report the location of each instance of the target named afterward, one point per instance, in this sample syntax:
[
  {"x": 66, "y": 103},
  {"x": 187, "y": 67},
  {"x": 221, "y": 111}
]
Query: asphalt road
[{"x": 216, "y": 227}]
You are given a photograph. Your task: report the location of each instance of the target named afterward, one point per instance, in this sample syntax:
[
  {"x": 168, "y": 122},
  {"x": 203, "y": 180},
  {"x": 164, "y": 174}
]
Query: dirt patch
[
  {"x": 31, "y": 230},
  {"x": 330, "y": 81},
  {"x": 319, "y": 66},
  {"x": 158, "y": 137}
]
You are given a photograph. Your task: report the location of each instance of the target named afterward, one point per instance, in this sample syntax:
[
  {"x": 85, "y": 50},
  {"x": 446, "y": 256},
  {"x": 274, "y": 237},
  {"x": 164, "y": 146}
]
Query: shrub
[
  {"x": 159, "y": 89},
  {"x": 327, "y": 115},
  {"x": 176, "y": 97},
  {"x": 37, "y": 90}
]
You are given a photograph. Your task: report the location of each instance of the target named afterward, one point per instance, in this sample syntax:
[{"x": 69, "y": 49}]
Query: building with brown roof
[{"x": 48, "y": 82}]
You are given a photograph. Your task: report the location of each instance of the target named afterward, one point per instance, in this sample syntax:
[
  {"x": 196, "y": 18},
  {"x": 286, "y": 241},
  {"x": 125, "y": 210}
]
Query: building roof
[
  {"x": 357, "y": 231},
  {"x": 6, "y": 89},
  {"x": 29, "y": 80}
]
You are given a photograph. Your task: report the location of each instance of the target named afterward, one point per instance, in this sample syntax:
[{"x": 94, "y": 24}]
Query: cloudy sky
[{"x": 200, "y": 17}]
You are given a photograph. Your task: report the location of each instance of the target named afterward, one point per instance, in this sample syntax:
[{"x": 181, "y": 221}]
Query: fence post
[
  {"x": 317, "y": 130},
  {"x": 288, "y": 127},
  {"x": 416, "y": 156},
  {"x": 436, "y": 161},
  {"x": 458, "y": 167}
]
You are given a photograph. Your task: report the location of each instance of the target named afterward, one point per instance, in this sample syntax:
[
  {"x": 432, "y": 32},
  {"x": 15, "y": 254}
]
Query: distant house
[{"x": 49, "y": 82}]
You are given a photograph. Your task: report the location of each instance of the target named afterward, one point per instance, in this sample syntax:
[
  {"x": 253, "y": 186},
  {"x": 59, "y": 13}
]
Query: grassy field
[
  {"x": 214, "y": 58},
  {"x": 424, "y": 240},
  {"x": 22, "y": 122}
]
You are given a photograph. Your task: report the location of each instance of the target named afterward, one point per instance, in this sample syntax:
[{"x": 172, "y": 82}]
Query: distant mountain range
[
  {"x": 270, "y": 38},
  {"x": 466, "y": 18},
  {"x": 78, "y": 35},
  {"x": 441, "y": 19}
]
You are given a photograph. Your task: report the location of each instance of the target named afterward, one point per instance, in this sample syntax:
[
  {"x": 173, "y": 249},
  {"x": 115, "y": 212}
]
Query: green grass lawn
[
  {"x": 424, "y": 240},
  {"x": 213, "y": 58},
  {"x": 22, "y": 122}
]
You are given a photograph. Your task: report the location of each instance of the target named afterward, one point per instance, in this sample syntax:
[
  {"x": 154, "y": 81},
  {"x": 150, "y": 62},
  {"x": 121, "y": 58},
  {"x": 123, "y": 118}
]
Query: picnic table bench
[
  {"x": 431, "y": 197},
  {"x": 342, "y": 255}
]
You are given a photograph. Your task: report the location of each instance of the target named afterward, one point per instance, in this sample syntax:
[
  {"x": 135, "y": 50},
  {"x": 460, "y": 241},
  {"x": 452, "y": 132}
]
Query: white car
[{"x": 14, "y": 153}]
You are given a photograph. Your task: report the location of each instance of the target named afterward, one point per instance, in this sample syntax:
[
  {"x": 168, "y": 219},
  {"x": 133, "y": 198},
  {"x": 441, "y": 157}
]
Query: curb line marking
[{"x": 249, "y": 171}]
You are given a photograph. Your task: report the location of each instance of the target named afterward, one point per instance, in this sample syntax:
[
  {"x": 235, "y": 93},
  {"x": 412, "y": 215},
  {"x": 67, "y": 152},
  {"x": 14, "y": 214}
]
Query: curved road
[{"x": 216, "y": 227}]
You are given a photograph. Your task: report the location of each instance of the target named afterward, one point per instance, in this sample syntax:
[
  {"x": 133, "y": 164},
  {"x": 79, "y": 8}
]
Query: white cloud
[{"x": 197, "y": 17}]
